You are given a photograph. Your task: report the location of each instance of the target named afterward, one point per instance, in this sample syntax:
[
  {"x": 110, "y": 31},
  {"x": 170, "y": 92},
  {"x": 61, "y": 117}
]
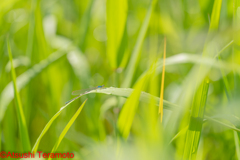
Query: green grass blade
[
  {"x": 129, "y": 109},
  {"x": 180, "y": 133},
  {"x": 136, "y": 52},
  {"x": 35, "y": 147},
  {"x": 222, "y": 123},
  {"x": 235, "y": 130},
  {"x": 224, "y": 48},
  {"x": 31, "y": 30},
  {"x": 44, "y": 48},
  {"x": 116, "y": 21},
  {"x": 146, "y": 97},
  {"x": 126, "y": 93},
  {"x": 229, "y": 96},
  {"x": 25, "y": 142},
  {"x": 67, "y": 128},
  {"x": 184, "y": 58},
  {"x": 196, "y": 120},
  {"x": 22, "y": 80},
  {"x": 151, "y": 132},
  {"x": 200, "y": 94},
  {"x": 226, "y": 83},
  {"x": 215, "y": 15},
  {"x": 84, "y": 27},
  {"x": 236, "y": 140},
  {"x": 236, "y": 50}
]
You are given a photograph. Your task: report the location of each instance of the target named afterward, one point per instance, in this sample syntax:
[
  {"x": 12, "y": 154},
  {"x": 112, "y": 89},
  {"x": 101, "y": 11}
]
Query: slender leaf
[
  {"x": 25, "y": 142},
  {"x": 84, "y": 27},
  {"x": 146, "y": 97},
  {"x": 126, "y": 92},
  {"x": 195, "y": 124},
  {"x": 116, "y": 21},
  {"x": 215, "y": 15},
  {"x": 136, "y": 52},
  {"x": 222, "y": 123},
  {"x": 236, "y": 140},
  {"x": 67, "y": 128},
  {"x": 162, "y": 82},
  {"x": 129, "y": 109},
  {"x": 35, "y": 147}
]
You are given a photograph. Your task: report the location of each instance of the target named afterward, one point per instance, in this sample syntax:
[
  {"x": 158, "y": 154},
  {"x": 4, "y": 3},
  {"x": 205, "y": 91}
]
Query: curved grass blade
[
  {"x": 126, "y": 92},
  {"x": 35, "y": 147},
  {"x": 183, "y": 58},
  {"x": 181, "y": 132},
  {"x": 222, "y": 123},
  {"x": 146, "y": 97},
  {"x": 67, "y": 128},
  {"x": 25, "y": 142}
]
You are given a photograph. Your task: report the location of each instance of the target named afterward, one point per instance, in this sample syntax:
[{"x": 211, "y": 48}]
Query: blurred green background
[{"x": 60, "y": 46}]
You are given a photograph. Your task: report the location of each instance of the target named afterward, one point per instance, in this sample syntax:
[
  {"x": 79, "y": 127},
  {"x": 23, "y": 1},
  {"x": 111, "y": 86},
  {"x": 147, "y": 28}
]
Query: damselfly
[{"x": 83, "y": 91}]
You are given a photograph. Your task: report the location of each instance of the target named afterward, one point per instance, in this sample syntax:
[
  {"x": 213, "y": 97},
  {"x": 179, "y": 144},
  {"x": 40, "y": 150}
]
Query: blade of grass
[
  {"x": 222, "y": 123},
  {"x": 116, "y": 21},
  {"x": 67, "y": 128},
  {"x": 195, "y": 124},
  {"x": 35, "y": 147},
  {"x": 136, "y": 52},
  {"x": 236, "y": 140},
  {"x": 181, "y": 132},
  {"x": 146, "y": 97},
  {"x": 129, "y": 109},
  {"x": 25, "y": 142},
  {"x": 31, "y": 30},
  {"x": 229, "y": 96},
  {"x": 162, "y": 83},
  {"x": 126, "y": 92},
  {"x": 190, "y": 81},
  {"x": 184, "y": 58},
  {"x": 224, "y": 48},
  {"x": 215, "y": 15},
  {"x": 226, "y": 83},
  {"x": 236, "y": 50},
  {"x": 84, "y": 27},
  {"x": 152, "y": 133},
  {"x": 200, "y": 95},
  {"x": 43, "y": 46}
]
